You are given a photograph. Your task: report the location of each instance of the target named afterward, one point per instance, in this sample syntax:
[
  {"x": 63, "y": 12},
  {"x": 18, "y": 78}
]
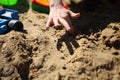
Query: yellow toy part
[{"x": 43, "y": 2}]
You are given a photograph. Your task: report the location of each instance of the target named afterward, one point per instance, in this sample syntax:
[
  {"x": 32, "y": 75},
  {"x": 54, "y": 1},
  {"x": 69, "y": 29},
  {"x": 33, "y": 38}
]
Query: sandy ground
[{"x": 92, "y": 53}]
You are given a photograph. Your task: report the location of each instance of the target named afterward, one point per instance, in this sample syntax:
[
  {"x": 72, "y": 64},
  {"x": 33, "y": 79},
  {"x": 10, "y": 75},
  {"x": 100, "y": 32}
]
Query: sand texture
[{"x": 92, "y": 53}]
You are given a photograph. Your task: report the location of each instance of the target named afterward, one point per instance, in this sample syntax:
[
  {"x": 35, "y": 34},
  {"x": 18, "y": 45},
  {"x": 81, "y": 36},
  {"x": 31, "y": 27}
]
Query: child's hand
[{"x": 60, "y": 15}]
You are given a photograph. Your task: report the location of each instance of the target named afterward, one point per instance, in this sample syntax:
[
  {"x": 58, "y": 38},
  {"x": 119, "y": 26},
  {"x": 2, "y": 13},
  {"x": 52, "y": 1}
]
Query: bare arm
[
  {"x": 55, "y": 3},
  {"x": 59, "y": 15}
]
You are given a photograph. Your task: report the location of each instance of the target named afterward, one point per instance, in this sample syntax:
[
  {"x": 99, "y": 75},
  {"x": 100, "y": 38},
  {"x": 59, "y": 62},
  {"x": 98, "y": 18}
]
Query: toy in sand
[
  {"x": 42, "y": 5},
  {"x": 8, "y": 2}
]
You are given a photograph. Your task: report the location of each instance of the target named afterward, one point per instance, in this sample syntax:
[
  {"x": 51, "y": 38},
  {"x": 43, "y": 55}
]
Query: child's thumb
[{"x": 74, "y": 15}]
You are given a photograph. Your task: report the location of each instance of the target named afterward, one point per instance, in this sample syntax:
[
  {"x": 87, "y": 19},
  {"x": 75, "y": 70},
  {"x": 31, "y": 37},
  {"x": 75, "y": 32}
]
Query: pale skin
[{"x": 60, "y": 16}]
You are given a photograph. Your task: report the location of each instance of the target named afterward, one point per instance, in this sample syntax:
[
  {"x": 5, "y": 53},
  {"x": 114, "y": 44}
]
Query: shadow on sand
[{"x": 95, "y": 16}]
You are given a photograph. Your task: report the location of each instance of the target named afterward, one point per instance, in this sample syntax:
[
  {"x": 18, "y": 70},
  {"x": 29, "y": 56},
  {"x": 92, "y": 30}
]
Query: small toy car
[{"x": 9, "y": 20}]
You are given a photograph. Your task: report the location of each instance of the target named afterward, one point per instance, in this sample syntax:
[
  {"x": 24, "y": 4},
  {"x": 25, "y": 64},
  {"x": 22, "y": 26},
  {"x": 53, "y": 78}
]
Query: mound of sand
[{"x": 92, "y": 53}]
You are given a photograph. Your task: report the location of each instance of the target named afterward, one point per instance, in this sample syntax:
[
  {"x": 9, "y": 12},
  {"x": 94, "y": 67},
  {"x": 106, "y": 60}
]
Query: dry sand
[{"x": 92, "y": 53}]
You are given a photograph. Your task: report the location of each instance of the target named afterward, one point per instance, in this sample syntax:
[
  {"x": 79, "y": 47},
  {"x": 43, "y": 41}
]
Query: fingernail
[{"x": 47, "y": 28}]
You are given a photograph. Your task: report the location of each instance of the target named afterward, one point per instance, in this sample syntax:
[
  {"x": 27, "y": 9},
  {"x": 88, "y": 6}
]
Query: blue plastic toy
[{"x": 9, "y": 20}]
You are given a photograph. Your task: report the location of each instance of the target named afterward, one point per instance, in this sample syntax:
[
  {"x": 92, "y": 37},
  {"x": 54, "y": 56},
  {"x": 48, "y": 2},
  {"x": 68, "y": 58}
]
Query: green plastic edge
[{"x": 40, "y": 8}]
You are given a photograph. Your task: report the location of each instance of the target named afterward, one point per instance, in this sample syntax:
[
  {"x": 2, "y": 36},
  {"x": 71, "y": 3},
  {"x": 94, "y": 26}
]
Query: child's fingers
[
  {"x": 56, "y": 22},
  {"x": 74, "y": 15},
  {"x": 49, "y": 22},
  {"x": 66, "y": 24}
]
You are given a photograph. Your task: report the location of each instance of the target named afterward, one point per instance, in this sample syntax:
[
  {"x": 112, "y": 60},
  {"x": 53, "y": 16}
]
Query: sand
[{"x": 92, "y": 53}]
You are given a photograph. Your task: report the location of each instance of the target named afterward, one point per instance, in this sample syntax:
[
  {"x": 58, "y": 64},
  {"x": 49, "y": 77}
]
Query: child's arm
[{"x": 59, "y": 15}]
